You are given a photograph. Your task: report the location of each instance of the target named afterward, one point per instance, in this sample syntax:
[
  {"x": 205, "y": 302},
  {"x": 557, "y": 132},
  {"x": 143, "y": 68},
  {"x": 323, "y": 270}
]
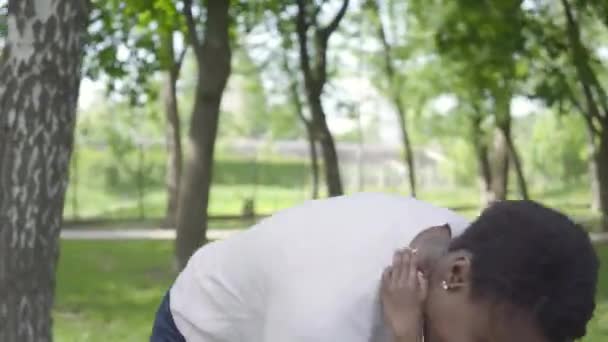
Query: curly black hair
[{"x": 537, "y": 259}]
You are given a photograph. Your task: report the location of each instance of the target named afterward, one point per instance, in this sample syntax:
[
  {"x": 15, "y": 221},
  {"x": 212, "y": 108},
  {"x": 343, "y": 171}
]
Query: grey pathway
[{"x": 137, "y": 234}]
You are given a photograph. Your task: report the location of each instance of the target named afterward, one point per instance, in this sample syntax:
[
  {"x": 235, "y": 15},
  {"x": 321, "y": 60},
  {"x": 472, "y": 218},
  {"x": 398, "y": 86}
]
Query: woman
[
  {"x": 520, "y": 272},
  {"x": 308, "y": 273}
]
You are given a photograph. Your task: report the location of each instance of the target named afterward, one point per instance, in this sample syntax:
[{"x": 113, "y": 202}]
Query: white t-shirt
[{"x": 306, "y": 274}]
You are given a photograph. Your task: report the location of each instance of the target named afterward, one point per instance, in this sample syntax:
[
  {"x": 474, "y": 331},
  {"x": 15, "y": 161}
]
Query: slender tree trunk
[
  {"x": 483, "y": 162},
  {"x": 328, "y": 148},
  {"x": 519, "y": 172},
  {"x": 594, "y": 95},
  {"x": 601, "y": 160},
  {"x": 314, "y": 71},
  {"x": 395, "y": 89},
  {"x": 485, "y": 176},
  {"x": 299, "y": 109},
  {"x": 500, "y": 167},
  {"x": 361, "y": 154},
  {"x": 174, "y": 146},
  {"x": 504, "y": 147},
  {"x": 593, "y": 169},
  {"x": 314, "y": 160},
  {"x": 39, "y": 82},
  {"x": 409, "y": 154},
  {"x": 141, "y": 181},
  {"x": 213, "y": 59}
]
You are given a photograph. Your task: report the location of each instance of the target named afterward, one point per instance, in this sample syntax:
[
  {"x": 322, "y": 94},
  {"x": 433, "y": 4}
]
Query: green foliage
[
  {"x": 248, "y": 115},
  {"x": 460, "y": 163},
  {"x": 558, "y": 148},
  {"x": 283, "y": 123},
  {"x": 106, "y": 179},
  {"x": 130, "y": 40},
  {"x": 3, "y": 19}
]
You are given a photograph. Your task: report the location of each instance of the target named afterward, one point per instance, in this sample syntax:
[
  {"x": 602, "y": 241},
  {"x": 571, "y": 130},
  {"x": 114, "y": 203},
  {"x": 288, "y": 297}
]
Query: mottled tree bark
[
  {"x": 314, "y": 71},
  {"x": 213, "y": 59},
  {"x": 39, "y": 82}
]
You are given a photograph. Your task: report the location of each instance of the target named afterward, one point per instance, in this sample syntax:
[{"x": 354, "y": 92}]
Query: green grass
[
  {"x": 229, "y": 199},
  {"x": 598, "y": 328},
  {"x": 224, "y": 200},
  {"x": 109, "y": 291},
  {"x": 103, "y": 187}
]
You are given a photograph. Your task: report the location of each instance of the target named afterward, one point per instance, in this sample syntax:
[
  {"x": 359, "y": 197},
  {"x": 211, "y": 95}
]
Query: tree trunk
[
  {"x": 314, "y": 72},
  {"x": 483, "y": 162},
  {"x": 601, "y": 160},
  {"x": 593, "y": 170},
  {"x": 514, "y": 156},
  {"x": 314, "y": 160},
  {"x": 213, "y": 59},
  {"x": 174, "y": 146},
  {"x": 591, "y": 87},
  {"x": 328, "y": 148},
  {"x": 39, "y": 82},
  {"x": 299, "y": 109},
  {"x": 395, "y": 89},
  {"x": 596, "y": 109},
  {"x": 500, "y": 168},
  {"x": 503, "y": 145},
  {"x": 409, "y": 154},
  {"x": 485, "y": 176}
]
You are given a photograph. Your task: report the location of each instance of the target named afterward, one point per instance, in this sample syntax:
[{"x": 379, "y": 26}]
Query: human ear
[{"x": 458, "y": 271}]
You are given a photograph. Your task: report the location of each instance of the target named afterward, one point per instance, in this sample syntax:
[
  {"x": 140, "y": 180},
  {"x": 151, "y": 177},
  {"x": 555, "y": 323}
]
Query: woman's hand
[{"x": 403, "y": 292}]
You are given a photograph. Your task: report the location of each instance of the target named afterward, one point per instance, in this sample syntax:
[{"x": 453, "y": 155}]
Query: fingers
[
  {"x": 401, "y": 268},
  {"x": 413, "y": 269},
  {"x": 403, "y": 271},
  {"x": 397, "y": 268},
  {"x": 386, "y": 277},
  {"x": 406, "y": 265},
  {"x": 423, "y": 285}
]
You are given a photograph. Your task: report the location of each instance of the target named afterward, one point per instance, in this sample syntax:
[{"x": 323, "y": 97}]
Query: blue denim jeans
[{"x": 164, "y": 329}]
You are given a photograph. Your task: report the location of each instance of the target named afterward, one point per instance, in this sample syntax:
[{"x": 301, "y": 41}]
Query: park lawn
[
  {"x": 224, "y": 200},
  {"x": 227, "y": 200},
  {"x": 109, "y": 291}
]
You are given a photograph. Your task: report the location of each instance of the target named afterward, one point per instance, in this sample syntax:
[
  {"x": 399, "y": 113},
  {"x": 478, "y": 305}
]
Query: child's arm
[{"x": 404, "y": 290}]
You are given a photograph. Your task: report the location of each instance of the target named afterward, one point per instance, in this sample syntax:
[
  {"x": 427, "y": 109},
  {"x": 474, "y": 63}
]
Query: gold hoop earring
[{"x": 445, "y": 285}]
